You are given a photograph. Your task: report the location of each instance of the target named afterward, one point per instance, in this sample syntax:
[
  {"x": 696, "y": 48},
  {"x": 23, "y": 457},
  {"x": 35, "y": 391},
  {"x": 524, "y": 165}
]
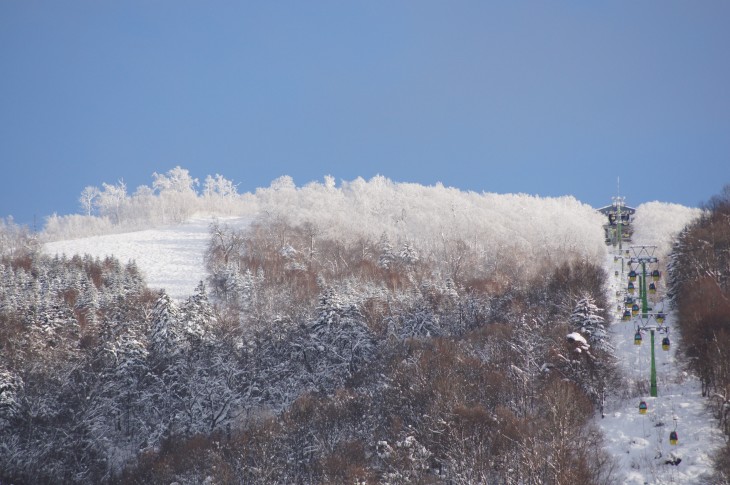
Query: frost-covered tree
[
  {"x": 408, "y": 254},
  {"x": 586, "y": 318},
  {"x": 420, "y": 321},
  {"x": 177, "y": 193},
  {"x": 247, "y": 290},
  {"x": 387, "y": 257},
  {"x": 176, "y": 180},
  {"x": 15, "y": 239},
  {"x": 225, "y": 247},
  {"x": 167, "y": 336},
  {"x": 338, "y": 343},
  {"x": 111, "y": 200},
  {"x": 125, "y": 413},
  {"x": 219, "y": 186},
  {"x": 87, "y": 198},
  {"x": 11, "y": 387},
  {"x": 197, "y": 313},
  {"x": 143, "y": 206}
]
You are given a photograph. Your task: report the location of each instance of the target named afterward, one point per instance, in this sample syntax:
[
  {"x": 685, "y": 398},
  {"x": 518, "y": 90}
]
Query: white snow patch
[
  {"x": 169, "y": 257},
  {"x": 576, "y": 337}
]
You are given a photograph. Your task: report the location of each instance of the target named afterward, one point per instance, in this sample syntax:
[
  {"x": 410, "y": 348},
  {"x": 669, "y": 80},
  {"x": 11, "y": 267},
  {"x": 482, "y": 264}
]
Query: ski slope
[
  {"x": 169, "y": 257},
  {"x": 640, "y": 443}
]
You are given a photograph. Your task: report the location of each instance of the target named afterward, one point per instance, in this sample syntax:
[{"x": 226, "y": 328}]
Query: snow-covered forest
[
  {"x": 435, "y": 215},
  {"x": 700, "y": 291},
  {"x": 368, "y": 332}
]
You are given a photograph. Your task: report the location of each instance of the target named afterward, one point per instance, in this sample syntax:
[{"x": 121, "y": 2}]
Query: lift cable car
[
  {"x": 652, "y": 288},
  {"x": 673, "y": 438},
  {"x": 660, "y": 317},
  {"x": 626, "y": 316},
  {"x": 665, "y": 343},
  {"x": 642, "y": 407},
  {"x": 655, "y": 275},
  {"x": 631, "y": 288},
  {"x": 632, "y": 275},
  {"x": 637, "y": 338}
]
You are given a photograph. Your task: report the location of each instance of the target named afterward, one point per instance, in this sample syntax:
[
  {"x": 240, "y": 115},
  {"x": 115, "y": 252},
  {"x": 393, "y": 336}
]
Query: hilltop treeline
[
  {"x": 317, "y": 359},
  {"x": 700, "y": 289},
  {"x": 527, "y": 227}
]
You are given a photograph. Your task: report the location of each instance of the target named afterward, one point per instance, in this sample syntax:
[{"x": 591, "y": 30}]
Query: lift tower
[{"x": 643, "y": 256}]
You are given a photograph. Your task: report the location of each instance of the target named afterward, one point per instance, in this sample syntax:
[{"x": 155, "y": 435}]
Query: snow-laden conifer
[
  {"x": 197, "y": 313},
  {"x": 387, "y": 257},
  {"x": 167, "y": 336},
  {"x": 338, "y": 342},
  {"x": 586, "y": 318},
  {"x": 11, "y": 387}
]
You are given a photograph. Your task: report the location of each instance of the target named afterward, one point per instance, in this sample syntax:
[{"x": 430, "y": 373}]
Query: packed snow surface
[
  {"x": 639, "y": 442},
  {"x": 169, "y": 257}
]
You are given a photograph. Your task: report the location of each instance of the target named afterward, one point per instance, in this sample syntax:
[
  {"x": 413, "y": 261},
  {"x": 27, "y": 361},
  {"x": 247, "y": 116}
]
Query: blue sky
[{"x": 547, "y": 98}]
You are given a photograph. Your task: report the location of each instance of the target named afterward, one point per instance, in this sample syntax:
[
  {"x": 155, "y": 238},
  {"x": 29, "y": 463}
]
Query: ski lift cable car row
[
  {"x": 638, "y": 339},
  {"x": 673, "y": 436}
]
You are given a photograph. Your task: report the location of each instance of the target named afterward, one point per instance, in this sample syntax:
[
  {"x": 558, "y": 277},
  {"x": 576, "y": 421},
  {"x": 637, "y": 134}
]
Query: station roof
[{"x": 612, "y": 209}]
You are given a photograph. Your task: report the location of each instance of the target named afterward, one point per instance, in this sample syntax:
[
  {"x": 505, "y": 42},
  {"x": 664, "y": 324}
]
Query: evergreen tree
[
  {"x": 197, "y": 313},
  {"x": 408, "y": 254},
  {"x": 248, "y": 291},
  {"x": 338, "y": 343},
  {"x": 586, "y": 319},
  {"x": 387, "y": 258},
  {"x": 11, "y": 387},
  {"x": 167, "y": 337}
]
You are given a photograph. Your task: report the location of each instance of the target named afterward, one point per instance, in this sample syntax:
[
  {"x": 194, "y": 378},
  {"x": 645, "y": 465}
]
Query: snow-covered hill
[
  {"x": 172, "y": 258},
  {"x": 169, "y": 257},
  {"x": 639, "y": 442}
]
